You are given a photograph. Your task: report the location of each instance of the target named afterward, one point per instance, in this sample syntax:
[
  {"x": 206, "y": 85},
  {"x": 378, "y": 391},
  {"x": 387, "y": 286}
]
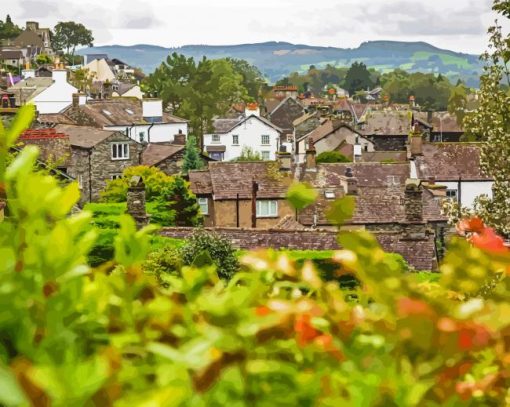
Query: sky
[{"x": 459, "y": 25}]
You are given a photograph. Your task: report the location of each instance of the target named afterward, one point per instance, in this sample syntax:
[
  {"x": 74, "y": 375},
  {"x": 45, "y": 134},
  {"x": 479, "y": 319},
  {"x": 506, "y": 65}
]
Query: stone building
[
  {"x": 284, "y": 115},
  {"x": 89, "y": 155}
]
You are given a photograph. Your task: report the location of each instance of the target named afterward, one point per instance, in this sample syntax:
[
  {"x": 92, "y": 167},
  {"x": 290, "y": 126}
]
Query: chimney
[
  {"x": 180, "y": 139},
  {"x": 59, "y": 75},
  {"x": 28, "y": 73},
  {"x": 79, "y": 99},
  {"x": 349, "y": 182},
  {"x": 413, "y": 200},
  {"x": 136, "y": 201},
  {"x": 416, "y": 144},
  {"x": 252, "y": 109},
  {"x": 32, "y": 25},
  {"x": 152, "y": 110},
  {"x": 284, "y": 159},
  {"x": 310, "y": 163}
]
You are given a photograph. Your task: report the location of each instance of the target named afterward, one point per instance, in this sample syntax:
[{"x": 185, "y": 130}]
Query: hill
[{"x": 277, "y": 59}]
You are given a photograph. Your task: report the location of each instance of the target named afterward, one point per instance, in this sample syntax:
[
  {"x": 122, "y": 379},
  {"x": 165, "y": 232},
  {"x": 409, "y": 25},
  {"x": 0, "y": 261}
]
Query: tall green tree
[
  {"x": 491, "y": 123},
  {"x": 192, "y": 159},
  {"x": 358, "y": 77},
  {"x": 197, "y": 91},
  {"x": 69, "y": 35},
  {"x": 253, "y": 80},
  {"x": 9, "y": 30},
  {"x": 184, "y": 203},
  {"x": 457, "y": 103}
]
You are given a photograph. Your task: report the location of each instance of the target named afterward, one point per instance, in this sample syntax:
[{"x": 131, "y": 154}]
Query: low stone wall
[
  {"x": 418, "y": 252},
  {"x": 260, "y": 238}
]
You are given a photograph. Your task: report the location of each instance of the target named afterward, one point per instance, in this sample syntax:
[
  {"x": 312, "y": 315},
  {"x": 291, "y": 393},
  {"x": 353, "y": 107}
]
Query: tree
[
  {"x": 490, "y": 123},
  {"x": 332, "y": 157},
  {"x": 253, "y": 80},
  {"x": 197, "y": 91},
  {"x": 247, "y": 154},
  {"x": 192, "y": 159},
  {"x": 183, "y": 202},
  {"x": 457, "y": 102},
  {"x": 42, "y": 59},
  {"x": 358, "y": 77},
  {"x": 9, "y": 30},
  {"x": 69, "y": 35}
]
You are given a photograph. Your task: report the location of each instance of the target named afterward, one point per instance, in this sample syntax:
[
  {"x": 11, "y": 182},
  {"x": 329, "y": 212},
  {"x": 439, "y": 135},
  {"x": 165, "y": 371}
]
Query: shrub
[
  {"x": 179, "y": 199},
  {"x": 162, "y": 262},
  {"x": 219, "y": 249},
  {"x": 332, "y": 157}
]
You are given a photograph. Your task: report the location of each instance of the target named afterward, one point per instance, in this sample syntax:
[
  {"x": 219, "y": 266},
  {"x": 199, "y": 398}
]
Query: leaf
[
  {"x": 20, "y": 124},
  {"x": 342, "y": 210},
  {"x": 10, "y": 392},
  {"x": 301, "y": 195}
]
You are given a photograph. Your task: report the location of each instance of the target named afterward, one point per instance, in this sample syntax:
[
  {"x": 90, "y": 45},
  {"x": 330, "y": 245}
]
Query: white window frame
[
  {"x": 267, "y": 208},
  {"x": 215, "y": 138},
  {"x": 204, "y": 205},
  {"x": 124, "y": 151},
  {"x": 263, "y": 138},
  {"x": 235, "y": 139},
  {"x": 265, "y": 155}
]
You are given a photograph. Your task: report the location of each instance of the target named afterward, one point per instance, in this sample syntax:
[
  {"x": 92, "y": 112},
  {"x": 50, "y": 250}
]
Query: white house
[
  {"x": 454, "y": 165},
  {"x": 143, "y": 121},
  {"x": 231, "y": 136},
  {"x": 49, "y": 95}
]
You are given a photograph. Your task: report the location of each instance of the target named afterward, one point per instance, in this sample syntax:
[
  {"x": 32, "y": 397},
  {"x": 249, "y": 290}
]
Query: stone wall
[
  {"x": 172, "y": 165},
  {"x": 419, "y": 253}
]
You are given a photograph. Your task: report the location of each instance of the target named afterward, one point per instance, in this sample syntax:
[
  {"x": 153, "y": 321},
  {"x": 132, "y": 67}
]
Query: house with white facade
[
  {"x": 454, "y": 165},
  {"x": 49, "y": 95},
  {"x": 251, "y": 131},
  {"x": 142, "y": 120}
]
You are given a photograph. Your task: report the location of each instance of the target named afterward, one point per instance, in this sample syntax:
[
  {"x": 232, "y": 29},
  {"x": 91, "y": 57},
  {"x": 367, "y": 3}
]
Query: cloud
[{"x": 415, "y": 19}]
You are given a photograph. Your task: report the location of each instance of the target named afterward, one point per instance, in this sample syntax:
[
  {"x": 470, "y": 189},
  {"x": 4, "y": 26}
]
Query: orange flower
[
  {"x": 489, "y": 240},
  {"x": 473, "y": 225},
  {"x": 408, "y": 306},
  {"x": 306, "y": 333},
  {"x": 325, "y": 342},
  {"x": 262, "y": 311}
]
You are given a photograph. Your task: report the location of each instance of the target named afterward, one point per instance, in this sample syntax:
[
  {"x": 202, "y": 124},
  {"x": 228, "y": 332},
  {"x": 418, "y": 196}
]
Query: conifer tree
[{"x": 192, "y": 159}]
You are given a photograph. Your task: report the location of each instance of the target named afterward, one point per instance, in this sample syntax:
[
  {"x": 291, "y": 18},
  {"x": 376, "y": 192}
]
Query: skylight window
[
  {"x": 129, "y": 111},
  {"x": 106, "y": 112},
  {"x": 329, "y": 195}
]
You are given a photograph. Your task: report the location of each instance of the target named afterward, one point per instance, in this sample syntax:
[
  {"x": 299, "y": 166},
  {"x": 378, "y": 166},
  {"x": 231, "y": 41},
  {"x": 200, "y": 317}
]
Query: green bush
[
  {"x": 332, "y": 157},
  {"x": 162, "y": 262},
  {"x": 218, "y": 248}
]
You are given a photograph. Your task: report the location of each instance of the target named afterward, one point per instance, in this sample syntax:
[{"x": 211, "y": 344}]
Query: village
[
  {"x": 254, "y": 204},
  {"x": 399, "y": 161}
]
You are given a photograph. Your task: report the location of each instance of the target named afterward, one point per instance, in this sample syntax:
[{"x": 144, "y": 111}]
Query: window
[
  {"x": 204, "y": 205},
  {"x": 265, "y": 155},
  {"x": 451, "y": 193},
  {"x": 329, "y": 195},
  {"x": 235, "y": 139},
  {"x": 216, "y": 156},
  {"x": 116, "y": 176},
  {"x": 267, "y": 209},
  {"x": 106, "y": 112},
  {"x": 392, "y": 180},
  {"x": 141, "y": 136},
  {"x": 215, "y": 138},
  {"x": 79, "y": 178},
  {"x": 265, "y": 140},
  {"x": 120, "y": 151}
]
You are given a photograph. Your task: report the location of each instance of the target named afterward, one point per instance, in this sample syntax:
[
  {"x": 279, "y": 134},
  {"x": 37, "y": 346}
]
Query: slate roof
[
  {"x": 441, "y": 122},
  {"x": 386, "y": 123},
  {"x": 222, "y": 125},
  {"x": 123, "y": 112},
  {"x": 83, "y": 136},
  {"x": 380, "y": 156},
  {"x": 54, "y": 119},
  {"x": 229, "y": 179},
  {"x": 200, "y": 182},
  {"x": 449, "y": 161},
  {"x": 154, "y": 153},
  {"x": 29, "y": 88},
  {"x": 380, "y": 197},
  {"x": 327, "y": 128},
  {"x": 11, "y": 54},
  {"x": 271, "y": 104}
]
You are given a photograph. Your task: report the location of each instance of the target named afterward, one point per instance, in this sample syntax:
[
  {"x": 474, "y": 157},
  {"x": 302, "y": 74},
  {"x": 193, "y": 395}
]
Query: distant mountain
[{"x": 277, "y": 59}]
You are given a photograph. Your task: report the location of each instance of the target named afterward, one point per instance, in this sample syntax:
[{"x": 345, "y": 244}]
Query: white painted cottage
[
  {"x": 454, "y": 165},
  {"x": 231, "y": 136}
]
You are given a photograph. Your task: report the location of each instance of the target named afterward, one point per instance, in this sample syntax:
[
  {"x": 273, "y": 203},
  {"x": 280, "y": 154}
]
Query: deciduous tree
[{"x": 69, "y": 35}]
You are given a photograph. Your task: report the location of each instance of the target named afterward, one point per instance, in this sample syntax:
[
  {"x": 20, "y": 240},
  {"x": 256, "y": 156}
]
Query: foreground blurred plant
[{"x": 274, "y": 335}]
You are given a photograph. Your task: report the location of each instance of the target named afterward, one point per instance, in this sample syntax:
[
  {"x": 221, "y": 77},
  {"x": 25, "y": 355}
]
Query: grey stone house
[{"x": 89, "y": 155}]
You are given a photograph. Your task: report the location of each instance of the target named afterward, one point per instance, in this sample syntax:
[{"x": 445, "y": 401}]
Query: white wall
[
  {"x": 470, "y": 190},
  {"x": 55, "y": 98},
  {"x": 160, "y": 132},
  {"x": 249, "y": 132}
]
